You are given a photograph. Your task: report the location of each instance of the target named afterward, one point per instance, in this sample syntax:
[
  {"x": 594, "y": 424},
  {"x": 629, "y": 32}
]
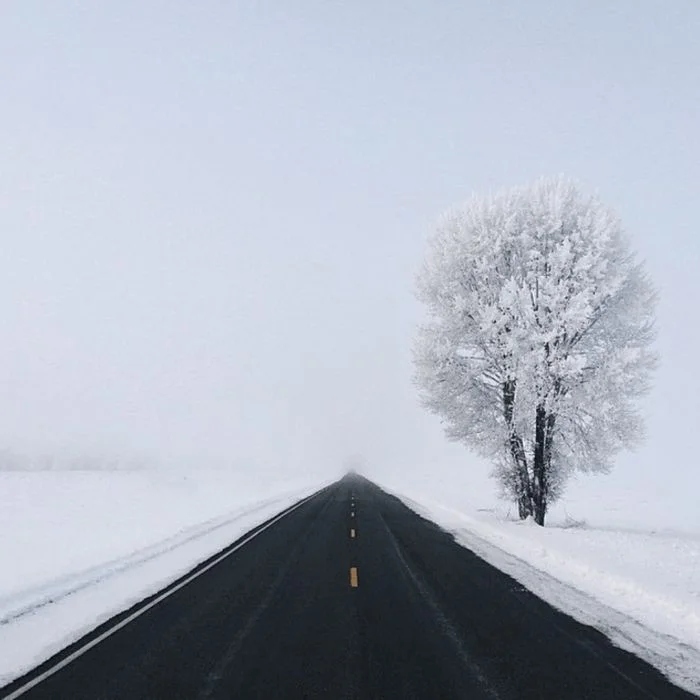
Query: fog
[{"x": 212, "y": 213}]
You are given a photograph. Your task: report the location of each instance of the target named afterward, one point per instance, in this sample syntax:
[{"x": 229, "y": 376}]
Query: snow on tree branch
[{"x": 539, "y": 339}]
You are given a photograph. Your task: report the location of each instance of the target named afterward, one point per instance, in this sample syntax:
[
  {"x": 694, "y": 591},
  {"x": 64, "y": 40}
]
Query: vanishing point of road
[{"x": 346, "y": 595}]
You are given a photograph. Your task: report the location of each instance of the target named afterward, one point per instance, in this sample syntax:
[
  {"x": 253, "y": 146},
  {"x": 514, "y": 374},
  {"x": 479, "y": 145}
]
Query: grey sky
[{"x": 212, "y": 212}]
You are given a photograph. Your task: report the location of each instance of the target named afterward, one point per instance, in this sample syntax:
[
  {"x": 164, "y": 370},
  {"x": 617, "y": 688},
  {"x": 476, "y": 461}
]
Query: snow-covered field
[
  {"x": 77, "y": 547},
  {"x": 626, "y": 564}
]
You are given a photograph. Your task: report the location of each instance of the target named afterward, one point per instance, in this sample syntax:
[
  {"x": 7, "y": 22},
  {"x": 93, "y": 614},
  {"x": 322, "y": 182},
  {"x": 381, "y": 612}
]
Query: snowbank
[
  {"x": 78, "y": 547},
  {"x": 641, "y": 588}
]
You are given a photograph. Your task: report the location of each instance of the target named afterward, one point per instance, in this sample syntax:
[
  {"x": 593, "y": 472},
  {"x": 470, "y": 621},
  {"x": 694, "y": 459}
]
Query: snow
[
  {"x": 78, "y": 547},
  {"x": 602, "y": 558},
  {"x": 539, "y": 334}
]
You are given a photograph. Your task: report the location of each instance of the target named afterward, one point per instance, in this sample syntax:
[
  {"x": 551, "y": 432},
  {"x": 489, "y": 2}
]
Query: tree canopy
[{"x": 538, "y": 341}]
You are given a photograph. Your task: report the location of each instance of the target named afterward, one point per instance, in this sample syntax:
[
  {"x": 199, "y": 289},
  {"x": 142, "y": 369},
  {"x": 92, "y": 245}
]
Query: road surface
[{"x": 348, "y": 595}]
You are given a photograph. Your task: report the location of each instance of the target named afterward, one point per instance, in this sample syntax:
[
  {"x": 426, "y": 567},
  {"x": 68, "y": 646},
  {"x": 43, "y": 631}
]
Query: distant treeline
[{"x": 11, "y": 460}]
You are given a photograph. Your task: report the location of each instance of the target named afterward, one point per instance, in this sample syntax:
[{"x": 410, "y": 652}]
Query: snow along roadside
[
  {"x": 675, "y": 655},
  {"x": 36, "y": 624}
]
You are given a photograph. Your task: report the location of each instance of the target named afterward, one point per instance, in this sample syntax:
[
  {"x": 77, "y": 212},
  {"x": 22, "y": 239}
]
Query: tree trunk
[
  {"x": 539, "y": 466},
  {"x": 544, "y": 437},
  {"x": 517, "y": 451},
  {"x": 524, "y": 507}
]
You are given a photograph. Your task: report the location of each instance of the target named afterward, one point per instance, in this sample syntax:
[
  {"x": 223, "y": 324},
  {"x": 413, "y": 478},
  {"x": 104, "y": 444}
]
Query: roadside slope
[
  {"x": 82, "y": 546},
  {"x": 641, "y": 589}
]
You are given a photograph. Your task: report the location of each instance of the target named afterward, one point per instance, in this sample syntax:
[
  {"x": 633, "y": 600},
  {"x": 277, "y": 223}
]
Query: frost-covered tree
[{"x": 538, "y": 342}]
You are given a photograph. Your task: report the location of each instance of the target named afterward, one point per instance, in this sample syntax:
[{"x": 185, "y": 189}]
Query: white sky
[{"x": 211, "y": 212}]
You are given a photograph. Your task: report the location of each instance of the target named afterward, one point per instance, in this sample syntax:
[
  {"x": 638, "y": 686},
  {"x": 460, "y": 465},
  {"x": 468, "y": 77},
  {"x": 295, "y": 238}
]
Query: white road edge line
[{"x": 123, "y": 623}]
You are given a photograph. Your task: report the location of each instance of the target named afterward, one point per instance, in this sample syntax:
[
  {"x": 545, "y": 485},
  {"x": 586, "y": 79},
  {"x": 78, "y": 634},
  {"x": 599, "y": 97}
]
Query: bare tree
[{"x": 538, "y": 343}]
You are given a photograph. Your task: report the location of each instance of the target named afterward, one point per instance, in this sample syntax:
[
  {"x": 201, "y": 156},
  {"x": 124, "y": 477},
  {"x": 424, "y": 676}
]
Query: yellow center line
[{"x": 353, "y": 577}]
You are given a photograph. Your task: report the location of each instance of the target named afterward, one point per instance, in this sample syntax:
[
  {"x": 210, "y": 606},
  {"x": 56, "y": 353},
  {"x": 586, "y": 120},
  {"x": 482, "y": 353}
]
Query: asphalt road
[{"x": 349, "y": 595}]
